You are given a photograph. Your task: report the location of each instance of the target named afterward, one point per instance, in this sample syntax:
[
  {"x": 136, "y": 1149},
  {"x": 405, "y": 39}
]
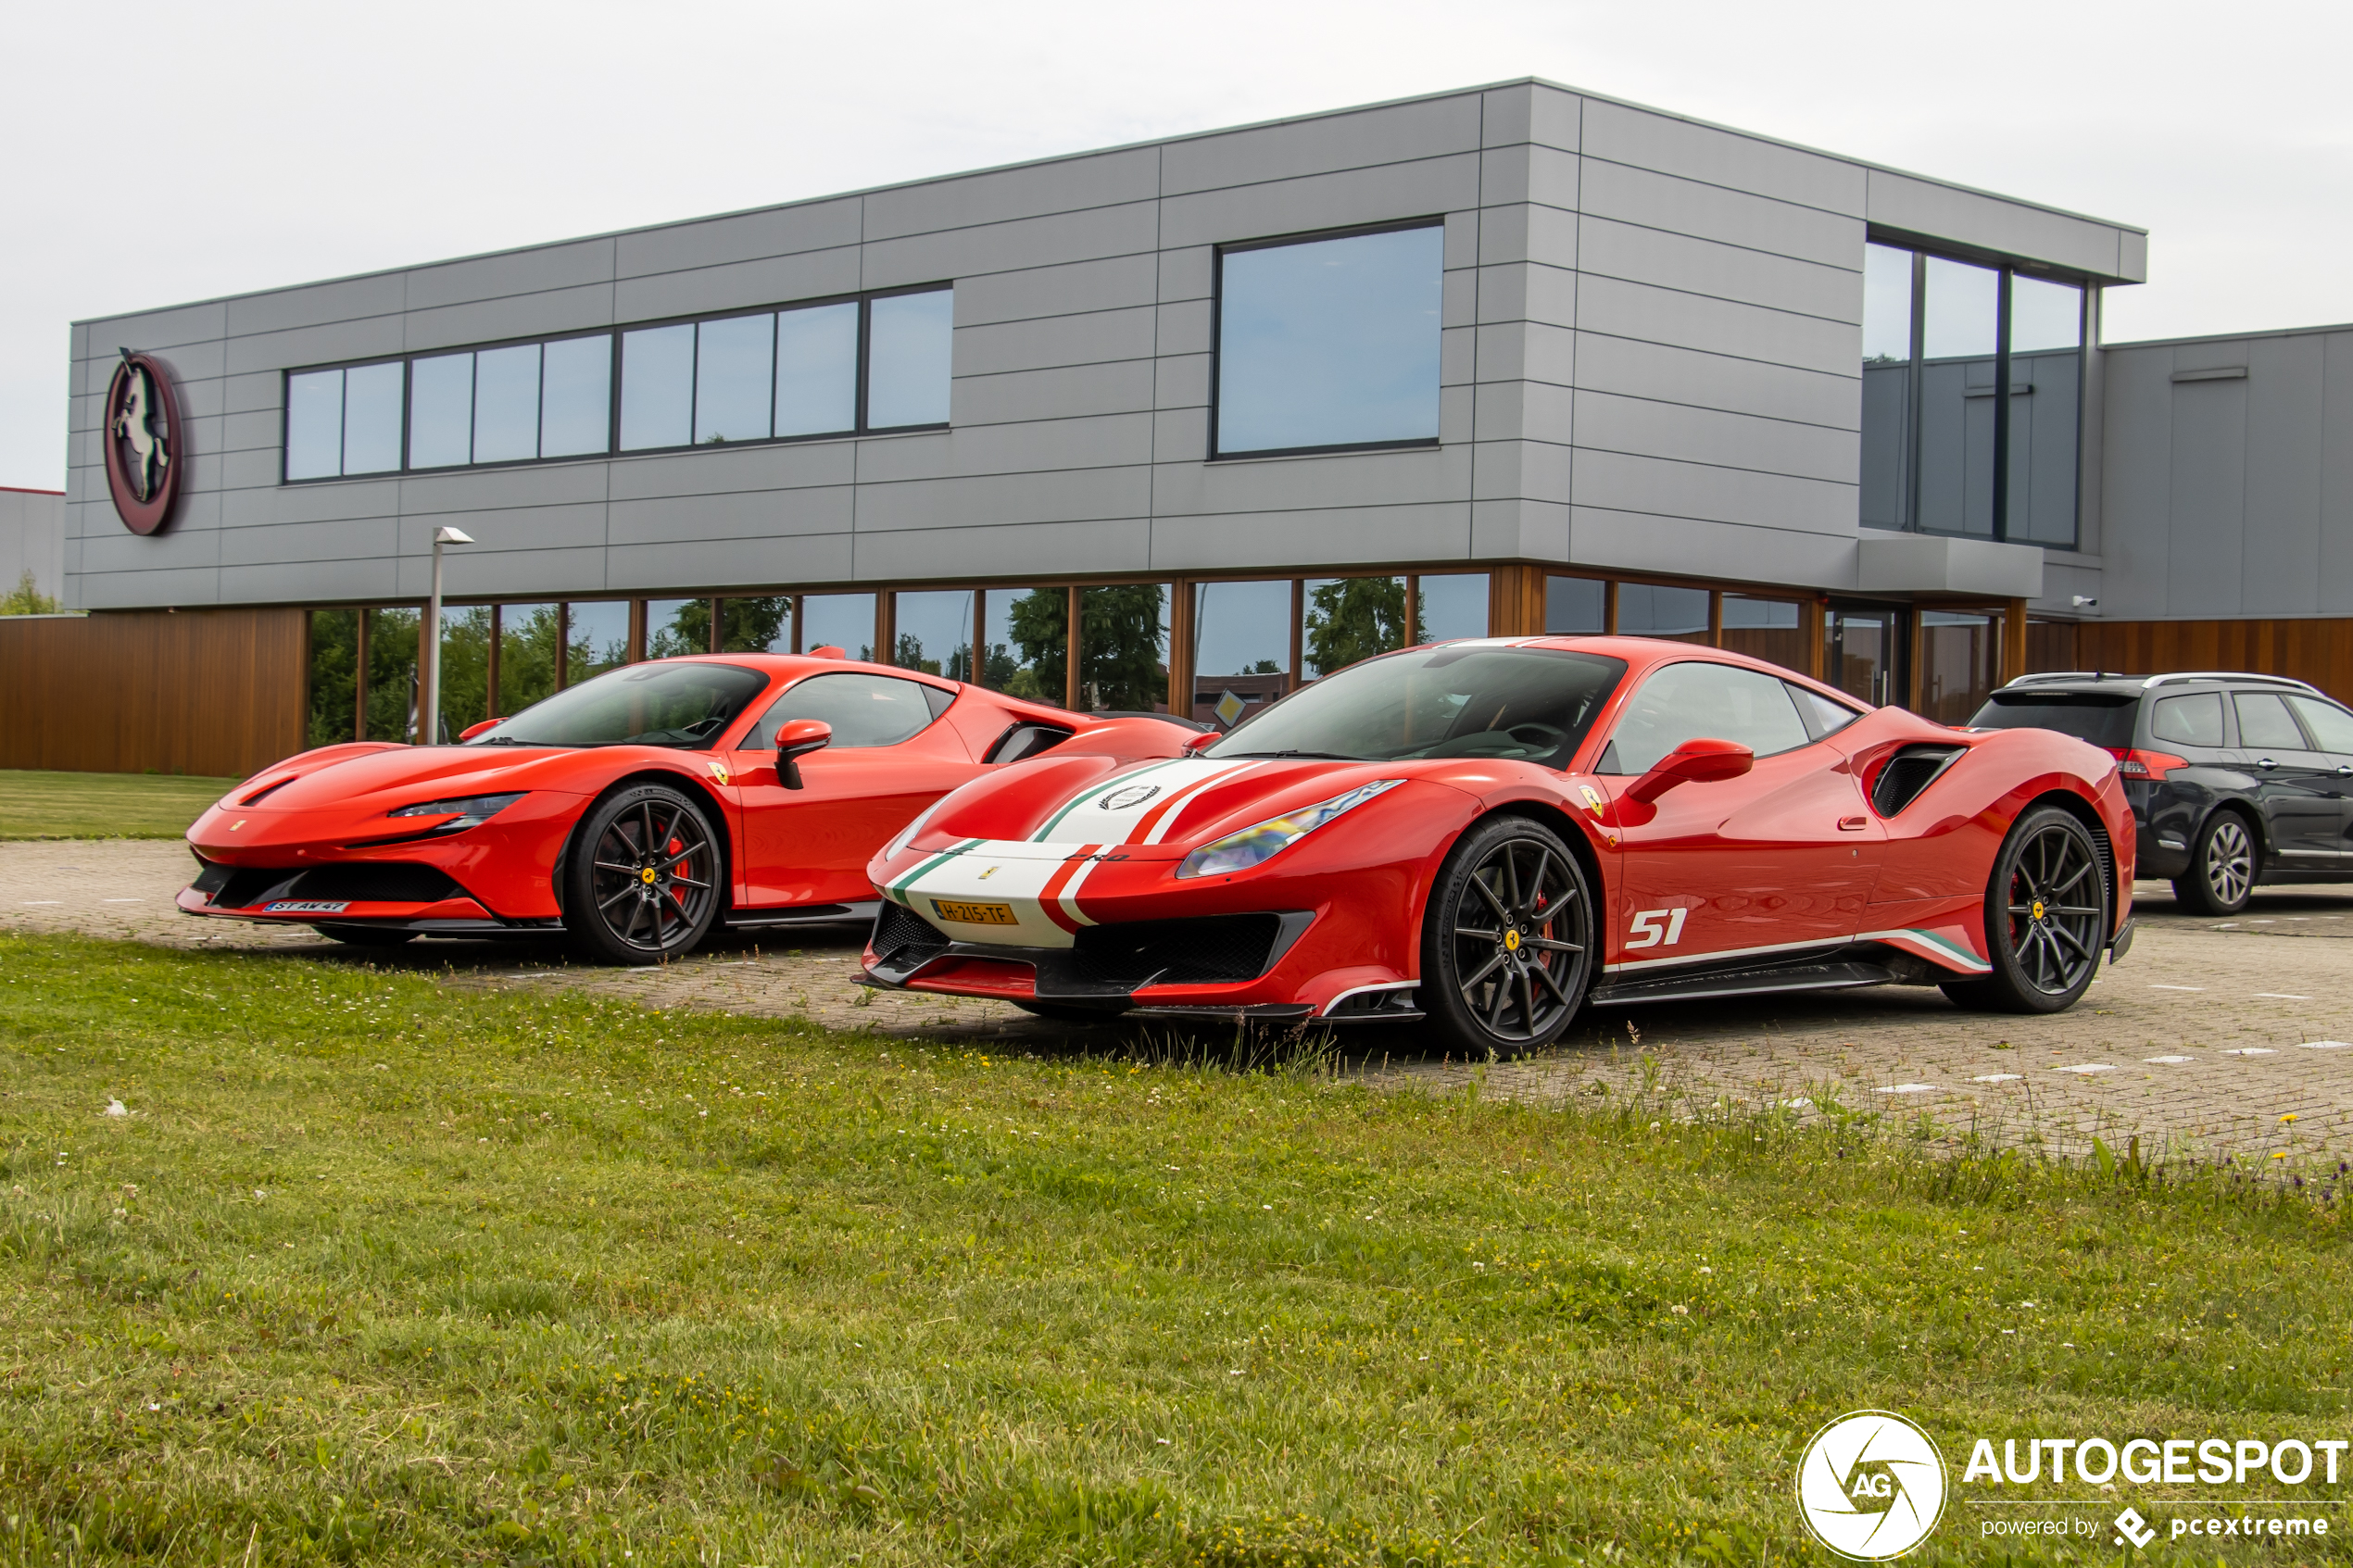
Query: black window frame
[
  {"x": 864, "y": 299},
  {"x": 1217, "y": 337},
  {"x": 343, "y": 414},
  {"x": 2005, "y": 269}
]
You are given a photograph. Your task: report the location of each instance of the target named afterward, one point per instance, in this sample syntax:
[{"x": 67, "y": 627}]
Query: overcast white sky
[{"x": 151, "y": 154}]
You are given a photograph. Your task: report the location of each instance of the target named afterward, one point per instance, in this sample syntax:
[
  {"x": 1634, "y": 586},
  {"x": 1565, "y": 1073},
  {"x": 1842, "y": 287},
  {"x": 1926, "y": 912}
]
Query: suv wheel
[
  {"x": 2046, "y": 918},
  {"x": 2221, "y": 872}
]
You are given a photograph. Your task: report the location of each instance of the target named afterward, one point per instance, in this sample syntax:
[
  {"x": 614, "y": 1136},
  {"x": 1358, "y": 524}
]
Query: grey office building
[{"x": 1186, "y": 424}]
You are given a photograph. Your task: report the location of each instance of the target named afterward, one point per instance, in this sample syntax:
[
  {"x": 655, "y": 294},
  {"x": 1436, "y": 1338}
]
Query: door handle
[
  {"x": 2343, "y": 772},
  {"x": 1852, "y": 824},
  {"x": 2265, "y": 762}
]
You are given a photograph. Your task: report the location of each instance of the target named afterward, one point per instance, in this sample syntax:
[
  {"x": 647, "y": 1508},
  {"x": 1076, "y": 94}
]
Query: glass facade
[
  {"x": 1451, "y": 606},
  {"x": 1576, "y": 606},
  {"x": 1959, "y": 664},
  {"x": 1024, "y": 641},
  {"x": 755, "y": 625},
  {"x": 933, "y": 632},
  {"x": 530, "y": 642},
  {"x": 596, "y": 638},
  {"x": 1972, "y": 390},
  {"x": 840, "y": 621},
  {"x": 1767, "y": 628},
  {"x": 677, "y": 626},
  {"x": 767, "y": 375},
  {"x": 1346, "y": 619},
  {"x": 1327, "y": 344},
  {"x": 1242, "y": 648},
  {"x": 1646, "y": 609},
  {"x": 1123, "y": 648}
]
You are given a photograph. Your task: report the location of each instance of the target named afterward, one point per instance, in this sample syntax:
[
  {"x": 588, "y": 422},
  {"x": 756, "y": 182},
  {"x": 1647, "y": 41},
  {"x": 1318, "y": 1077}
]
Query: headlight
[
  {"x": 1263, "y": 841},
  {"x": 906, "y": 835},
  {"x": 466, "y": 811}
]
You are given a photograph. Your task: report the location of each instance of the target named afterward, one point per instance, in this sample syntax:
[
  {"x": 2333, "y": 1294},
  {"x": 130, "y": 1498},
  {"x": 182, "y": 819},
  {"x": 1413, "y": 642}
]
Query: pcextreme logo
[{"x": 1870, "y": 1485}]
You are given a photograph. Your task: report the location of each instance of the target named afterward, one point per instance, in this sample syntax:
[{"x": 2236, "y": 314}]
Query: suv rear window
[{"x": 2105, "y": 719}]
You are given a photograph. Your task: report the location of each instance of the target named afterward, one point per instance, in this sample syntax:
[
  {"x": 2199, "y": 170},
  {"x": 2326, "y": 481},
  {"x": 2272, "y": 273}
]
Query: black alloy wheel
[
  {"x": 2046, "y": 918},
  {"x": 2221, "y": 872},
  {"x": 1506, "y": 946},
  {"x": 642, "y": 882}
]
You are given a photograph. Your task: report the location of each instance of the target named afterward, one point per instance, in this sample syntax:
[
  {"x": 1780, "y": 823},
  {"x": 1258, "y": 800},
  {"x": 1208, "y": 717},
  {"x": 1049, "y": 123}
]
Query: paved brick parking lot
[{"x": 2213, "y": 1036}]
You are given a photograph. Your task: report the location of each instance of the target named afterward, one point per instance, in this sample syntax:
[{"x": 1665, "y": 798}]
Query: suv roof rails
[
  {"x": 2041, "y": 676},
  {"x": 2229, "y": 675}
]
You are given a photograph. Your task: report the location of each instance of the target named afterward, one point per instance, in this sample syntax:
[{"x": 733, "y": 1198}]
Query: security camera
[{"x": 2080, "y": 602}]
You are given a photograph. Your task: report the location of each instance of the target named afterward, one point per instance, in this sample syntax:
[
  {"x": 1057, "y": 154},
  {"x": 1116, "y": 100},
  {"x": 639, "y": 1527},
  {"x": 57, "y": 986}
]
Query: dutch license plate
[{"x": 975, "y": 914}]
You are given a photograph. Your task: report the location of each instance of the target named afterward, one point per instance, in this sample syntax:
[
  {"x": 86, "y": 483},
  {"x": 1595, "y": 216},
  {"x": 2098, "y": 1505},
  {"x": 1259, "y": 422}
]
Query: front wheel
[
  {"x": 2046, "y": 918},
  {"x": 2221, "y": 872},
  {"x": 1507, "y": 946},
  {"x": 642, "y": 883}
]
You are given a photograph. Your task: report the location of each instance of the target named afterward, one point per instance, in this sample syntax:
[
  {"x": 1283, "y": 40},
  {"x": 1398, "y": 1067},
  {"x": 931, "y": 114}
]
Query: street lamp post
[{"x": 428, "y": 644}]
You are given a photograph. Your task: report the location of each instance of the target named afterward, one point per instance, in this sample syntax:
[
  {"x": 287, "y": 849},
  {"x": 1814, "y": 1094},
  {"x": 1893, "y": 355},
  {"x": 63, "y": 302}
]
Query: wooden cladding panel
[
  {"x": 217, "y": 693},
  {"x": 2318, "y": 651}
]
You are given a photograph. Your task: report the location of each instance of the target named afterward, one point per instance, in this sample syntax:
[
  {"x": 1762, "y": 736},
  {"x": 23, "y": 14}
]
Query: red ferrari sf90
[
  {"x": 1492, "y": 834},
  {"x": 633, "y": 811}
]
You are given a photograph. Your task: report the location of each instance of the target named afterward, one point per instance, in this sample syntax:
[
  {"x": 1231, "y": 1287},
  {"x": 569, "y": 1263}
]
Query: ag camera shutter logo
[{"x": 1871, "y": 1485}]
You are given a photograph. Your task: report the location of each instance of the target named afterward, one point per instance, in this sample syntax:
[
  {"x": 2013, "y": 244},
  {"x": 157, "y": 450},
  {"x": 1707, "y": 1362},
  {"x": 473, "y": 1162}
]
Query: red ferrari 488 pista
[
  {"x": 1490, "y": 833},
  {"x": 633, "y": 811}
]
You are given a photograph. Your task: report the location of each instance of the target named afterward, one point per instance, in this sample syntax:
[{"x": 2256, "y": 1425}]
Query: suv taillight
[{"x": 2136, "y": 764}]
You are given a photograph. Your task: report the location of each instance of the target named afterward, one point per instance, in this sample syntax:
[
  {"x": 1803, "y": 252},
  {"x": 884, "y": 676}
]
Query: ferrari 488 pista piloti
[
  {"x": 633, "y": 811},
  {"x": 1490, "y": 833}
]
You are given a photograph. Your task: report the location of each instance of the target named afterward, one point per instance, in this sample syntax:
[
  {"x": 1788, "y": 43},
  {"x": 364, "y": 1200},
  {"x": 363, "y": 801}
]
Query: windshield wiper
[{"x": 1316, "y": 756}]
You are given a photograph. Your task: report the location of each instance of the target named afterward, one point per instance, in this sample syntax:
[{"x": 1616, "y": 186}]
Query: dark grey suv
[{"x": 2234, "y": 779}]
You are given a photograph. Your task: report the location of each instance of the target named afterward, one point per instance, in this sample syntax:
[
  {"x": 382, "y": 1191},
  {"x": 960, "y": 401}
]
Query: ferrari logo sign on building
[{"x": 141, "y": 437}]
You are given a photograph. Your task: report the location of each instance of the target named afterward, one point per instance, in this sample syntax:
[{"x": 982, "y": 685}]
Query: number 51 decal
[{"x": 1648, "y": 933}]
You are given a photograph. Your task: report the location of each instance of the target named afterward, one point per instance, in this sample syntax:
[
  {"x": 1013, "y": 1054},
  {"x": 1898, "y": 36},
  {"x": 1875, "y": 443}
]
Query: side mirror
[
  {"x": 472, "y": 730},
  {"x": 1202, "y": 741},
  {"x": 797, "y": 740},
  {"x": 1695, "y": 761}
]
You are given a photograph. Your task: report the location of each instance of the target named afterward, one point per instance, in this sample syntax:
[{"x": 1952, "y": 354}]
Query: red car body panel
[
  {"x": 787, "y": 850},
  {"x": 1790, "y": 857}
]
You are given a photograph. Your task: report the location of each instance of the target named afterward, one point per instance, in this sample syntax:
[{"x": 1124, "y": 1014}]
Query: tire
[
  {"x": 366, "y": 936},
  {"x": 642, "y": 885},
  {"x": 1509, "y": 888},
  {"x": 2223, "y": 863},
  {"x": 2046, "y": 952}
]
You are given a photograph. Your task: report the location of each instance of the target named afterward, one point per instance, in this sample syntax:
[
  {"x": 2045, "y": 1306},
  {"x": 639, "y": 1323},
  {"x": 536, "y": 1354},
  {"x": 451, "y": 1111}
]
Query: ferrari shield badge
[{"x": 718, "y": 772}]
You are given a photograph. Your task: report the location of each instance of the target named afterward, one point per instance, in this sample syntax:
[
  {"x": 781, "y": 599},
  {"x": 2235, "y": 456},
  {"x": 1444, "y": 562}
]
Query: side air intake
[{"x": 1908, "y": 772}]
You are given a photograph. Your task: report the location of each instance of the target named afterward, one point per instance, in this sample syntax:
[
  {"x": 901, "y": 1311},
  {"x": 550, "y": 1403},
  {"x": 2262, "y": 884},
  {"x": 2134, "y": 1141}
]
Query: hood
[
  {"x": 352, "y": 775},
  {"x": 1157, "y": 809}
]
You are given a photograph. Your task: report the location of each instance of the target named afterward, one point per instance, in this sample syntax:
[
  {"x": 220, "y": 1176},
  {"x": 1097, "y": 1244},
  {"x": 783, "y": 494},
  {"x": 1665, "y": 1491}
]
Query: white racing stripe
[{"x": 1113, "y": 809}]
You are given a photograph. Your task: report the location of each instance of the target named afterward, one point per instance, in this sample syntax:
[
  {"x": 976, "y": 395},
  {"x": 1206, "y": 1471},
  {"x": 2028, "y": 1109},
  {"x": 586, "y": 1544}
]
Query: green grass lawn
[
  {"x": 377, "y": 1270},
  {"x": 46, "y": 805}
]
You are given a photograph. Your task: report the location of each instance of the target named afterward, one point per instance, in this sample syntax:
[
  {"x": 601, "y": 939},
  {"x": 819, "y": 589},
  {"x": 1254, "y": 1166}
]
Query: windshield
[
  {"x": 660, "y": 703},
  {"x": 2101, "y": 718},
  {"x": 1533, "y": 705}
]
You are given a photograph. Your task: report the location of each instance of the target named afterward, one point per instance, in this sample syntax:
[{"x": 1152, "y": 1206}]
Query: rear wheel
[
  {"x": 643, "y": 885},
  {"x": 365, "y": 936},
  {"x": 2221, "y": 872},
  {"x": 2045, "y": 918},
  {"x": 1506, "y": 946}
]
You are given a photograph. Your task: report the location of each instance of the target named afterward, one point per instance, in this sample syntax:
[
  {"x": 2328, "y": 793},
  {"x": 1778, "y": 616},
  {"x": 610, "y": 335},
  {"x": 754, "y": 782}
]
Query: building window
[
  {"x": 788, "y": 374},
  {"x": 1328, "y": 344},
  {"x": 1646, "y": 609},
  {"x": 755, "y": 625},
  {"x": 1343, "y": 620},
  {"x": 1123, "y": 648},
  {"x": 932, "y": 633},
  {"x": 839, "y": 620},
  {"x": 1973, "y": 380},
  {"x": 1959, "y": 659},
  {"x": 1241, "y": 649},
  {"x": 1576, "y": 606},
  {"x": 1771, "y": 630},
  {"x": 1024, "y": 642},
  {"x": 1449, "y": 607},
  {"x": 596, "y": 638}
]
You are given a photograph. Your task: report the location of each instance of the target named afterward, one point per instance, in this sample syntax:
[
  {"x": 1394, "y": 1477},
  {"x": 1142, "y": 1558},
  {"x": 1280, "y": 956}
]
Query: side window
[
  {"x": 1687, "y": 701},
  {"x": 1827, "y": 717},
  {"x": 2192, "y": 721},
  {"x": 2265, "y": 724},
  {"x": 2332, "y": 727},
  {"x": 863, "y": 709}
]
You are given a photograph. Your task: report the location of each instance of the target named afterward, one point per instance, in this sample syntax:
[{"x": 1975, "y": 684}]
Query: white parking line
[
  {"x": 2177, "y": 987},
  {"x": 124, "y": 900},
  {"x": 1994, "y": 1077},
  {"x": 2323, "y": 1045},
  {"x": 1903, "y": 1089},
  {"x": 31, "y": 903},
  {"x": 2086, "y": 1069},
  {"x": 2169, "y": 1060},
  {"x": 2251, "y": 1051},
  {"x": 2281, "y": 996}
]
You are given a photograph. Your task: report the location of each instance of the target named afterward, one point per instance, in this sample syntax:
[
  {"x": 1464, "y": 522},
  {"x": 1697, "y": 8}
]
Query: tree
[
  {"x": 335, "y": 667},
  {"x": 911, "y": 655},
  {"x": 1354, "y": 619},
  {"x": 27, "y": 598},
  {"x": 1040, "y": 622},
  {"x": 757, "y": 625}
]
